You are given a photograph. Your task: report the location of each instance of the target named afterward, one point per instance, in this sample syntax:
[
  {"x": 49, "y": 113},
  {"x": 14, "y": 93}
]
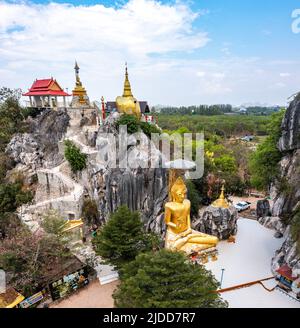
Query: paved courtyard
[{"x": 92, "y": 296}]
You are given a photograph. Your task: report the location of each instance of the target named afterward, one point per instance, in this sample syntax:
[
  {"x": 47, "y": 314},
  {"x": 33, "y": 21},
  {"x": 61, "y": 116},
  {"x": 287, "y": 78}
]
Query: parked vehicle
[{"x": 242, "y": 206}]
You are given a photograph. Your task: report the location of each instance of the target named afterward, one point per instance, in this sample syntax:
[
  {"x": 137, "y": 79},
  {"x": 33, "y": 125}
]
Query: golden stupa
[
  {"x": 79, "y": 91},
  {"x": 221, "y": 201},
  {"x": 127, "y": 104}
]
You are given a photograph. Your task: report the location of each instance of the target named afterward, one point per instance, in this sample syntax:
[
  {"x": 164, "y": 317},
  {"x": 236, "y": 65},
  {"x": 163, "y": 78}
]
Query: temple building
[
  {"x": 80, "y": 97},
  {"x": 46, "y": 93},
  {"x": 127, "y": 103}
]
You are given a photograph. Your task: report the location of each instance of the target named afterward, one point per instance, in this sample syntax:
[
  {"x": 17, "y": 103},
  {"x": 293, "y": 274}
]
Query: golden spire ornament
[
  {"x": 221, "y": 201},
  {"x": 127, "y": 87},
  {"x": 127, "y": 104}
]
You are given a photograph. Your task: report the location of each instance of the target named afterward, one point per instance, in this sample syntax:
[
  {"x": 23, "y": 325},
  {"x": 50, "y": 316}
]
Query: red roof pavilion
[
  {"x": 286, "y": 272},
  {"x": 46, "y": 87}
]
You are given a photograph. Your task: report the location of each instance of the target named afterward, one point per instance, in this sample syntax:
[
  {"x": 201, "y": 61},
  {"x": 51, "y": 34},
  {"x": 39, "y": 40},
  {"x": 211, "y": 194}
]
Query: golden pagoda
[
  {"x": 79, "y": 91},
  {"x": 221, "y": 201},
  {"x": 127, "y": 104}
]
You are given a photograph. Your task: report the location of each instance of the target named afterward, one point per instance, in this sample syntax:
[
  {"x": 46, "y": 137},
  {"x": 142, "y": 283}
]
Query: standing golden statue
[
  {"x": 179, "y": 234},
  {"x": 127, "y": 104},
  {"x": 79, "y": 91}
]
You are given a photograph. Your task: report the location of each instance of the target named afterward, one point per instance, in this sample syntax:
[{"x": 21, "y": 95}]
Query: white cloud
[
  {"x": 285, "y": 74},
  {"x": 43, "y": 40},
  {"x": 201, "y": 74},
  {"x": 39, "y": 41}
]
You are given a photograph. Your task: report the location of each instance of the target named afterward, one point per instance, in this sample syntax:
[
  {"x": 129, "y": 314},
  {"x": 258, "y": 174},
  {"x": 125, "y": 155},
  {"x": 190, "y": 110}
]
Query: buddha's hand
[
  {"x": 187, "y": 232},
  {"x": 172, "y": 225}
]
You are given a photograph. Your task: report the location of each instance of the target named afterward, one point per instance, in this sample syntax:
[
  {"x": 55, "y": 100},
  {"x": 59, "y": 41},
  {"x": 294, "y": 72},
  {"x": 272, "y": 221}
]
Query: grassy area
[{"x": 223, "y": 125}]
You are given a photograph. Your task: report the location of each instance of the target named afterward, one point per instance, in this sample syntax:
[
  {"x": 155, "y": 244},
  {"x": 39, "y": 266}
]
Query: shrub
[
  {"x": 74, "y": 156},
  {"x": 131, "y": 121},
  {"x": 149, "y": 128}
]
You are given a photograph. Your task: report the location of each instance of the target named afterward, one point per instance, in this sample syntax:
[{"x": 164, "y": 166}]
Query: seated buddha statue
[
  {"x": 127, "y": 104},
  {"x": 179, "y": 234}
]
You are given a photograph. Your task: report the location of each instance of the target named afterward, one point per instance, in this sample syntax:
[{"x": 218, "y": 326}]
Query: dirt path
[{"x": 92, "y": 296}]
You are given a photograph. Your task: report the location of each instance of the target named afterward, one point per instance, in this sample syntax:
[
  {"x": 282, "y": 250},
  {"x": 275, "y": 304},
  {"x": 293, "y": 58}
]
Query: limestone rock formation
[
  {"x": 273, "y": 223},
  {"x": 39, "y": 147},
  {"x": 290, "y": 139},
  {"x": 287, "y": 254},
  {"x": 219, "y": 222},
  {"x": 40, "y": 152},
  {"x": 286, "y": 191},
  {"x": 263, "y": 208}
]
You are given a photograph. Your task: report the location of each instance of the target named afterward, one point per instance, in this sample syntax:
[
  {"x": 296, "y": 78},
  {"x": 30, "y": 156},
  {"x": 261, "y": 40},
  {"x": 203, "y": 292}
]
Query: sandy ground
[{"x": 92, "y": 296}]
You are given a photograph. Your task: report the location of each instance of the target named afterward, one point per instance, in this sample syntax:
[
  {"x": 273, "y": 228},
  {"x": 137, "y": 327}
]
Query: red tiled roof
[
  {"x": 286, "y": 272},
  {"x": 45, "y": 87}
]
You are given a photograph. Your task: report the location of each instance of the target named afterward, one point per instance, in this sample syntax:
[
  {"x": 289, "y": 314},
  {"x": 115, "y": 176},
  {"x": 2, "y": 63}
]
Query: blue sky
[{"x": 179, "y": 52}]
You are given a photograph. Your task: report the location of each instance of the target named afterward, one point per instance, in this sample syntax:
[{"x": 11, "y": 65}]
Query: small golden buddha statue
[
  {"x": 179, "y": 234},
  {"x": 127, "y": 104}
]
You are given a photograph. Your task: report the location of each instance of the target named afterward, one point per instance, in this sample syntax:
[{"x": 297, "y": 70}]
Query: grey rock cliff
[
  {"x": 39, "y": 147},
  {"x": 286, "y": 192}
]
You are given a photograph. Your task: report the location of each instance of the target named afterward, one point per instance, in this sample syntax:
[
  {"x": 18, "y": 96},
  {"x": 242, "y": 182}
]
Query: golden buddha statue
[
  {"x": 127, "y": 104},
  {"x": 221, "y": 201},
  {"x": 179, "y": 234}
]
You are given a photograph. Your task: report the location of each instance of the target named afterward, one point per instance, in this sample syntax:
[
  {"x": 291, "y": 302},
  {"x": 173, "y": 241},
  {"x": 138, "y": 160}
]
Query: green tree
[
  {"x": 75, "y": 157},
  {"x": 12, "y": 196},
  {"x": 122, "y": 238},
  {"x": 166, "y": 279},
  {"x": 264, "y": 161},
  {"x": 53, "y": 223},
  {"x": 90, "y": 212}
]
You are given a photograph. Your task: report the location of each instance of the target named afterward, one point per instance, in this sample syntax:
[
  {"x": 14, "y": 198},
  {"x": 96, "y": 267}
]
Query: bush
[
  {"x": 166, "y": 279},
  {"x": 149, "y": 128},
  {"x": 131, "y": 121},
  {"x": 134, "y": 125},
  {"x": 74, "y": 156},
  {"x": 122, "y": 238}
]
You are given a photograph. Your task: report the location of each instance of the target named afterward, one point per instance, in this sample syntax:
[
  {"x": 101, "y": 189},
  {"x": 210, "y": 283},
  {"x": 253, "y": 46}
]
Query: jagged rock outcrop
[
  {"x": 273, "y": 223},
  {"x": 136, "y": 185},
  {"x": 290, "y": 139},
  {"x": 286, "y": 191},
  {"x": 39, "y": 147},
  {"x": 219, "y": 222},
  {"x": 287, "y": 254},
  {"x": 263, "y": 208}
]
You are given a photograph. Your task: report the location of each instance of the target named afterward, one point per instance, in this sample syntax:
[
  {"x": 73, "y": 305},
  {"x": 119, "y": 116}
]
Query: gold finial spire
[
  {"x": 127, "y": 88},
  {"x": 221, "y": 201}
]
